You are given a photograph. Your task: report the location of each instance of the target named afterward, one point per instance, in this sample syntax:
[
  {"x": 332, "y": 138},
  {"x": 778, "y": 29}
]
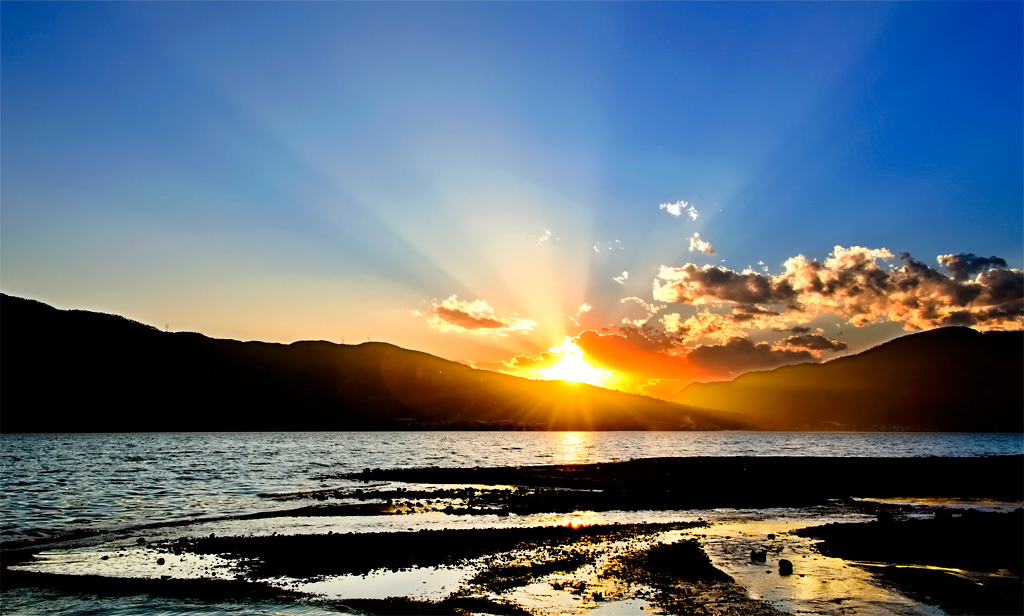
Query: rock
[
  {"x": 160, "y": 561},
  {"x": 140, "y": 541},
  {"x": 758, "y": 556},
  {"x": 104, "y": 557},
  {"x": 771, "y": 535},
  {"x": 785, "y": 567}
]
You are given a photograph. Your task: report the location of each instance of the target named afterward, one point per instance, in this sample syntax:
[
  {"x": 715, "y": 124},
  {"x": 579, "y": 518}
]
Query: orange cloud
[{"x": 476, "y": 316}]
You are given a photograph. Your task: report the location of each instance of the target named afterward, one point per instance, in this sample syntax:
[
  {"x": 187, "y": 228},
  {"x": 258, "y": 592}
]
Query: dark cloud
[
  {"x": 814, "y": 342},
  {"x": 692, "y": 284},
  {"x": 750, "y": 312},
  {"x": 964, "y": 265},
  {"x": 800, "y": 330},
  {"x": 465, "y": 320},
  {"x": 740, "y": 355}
]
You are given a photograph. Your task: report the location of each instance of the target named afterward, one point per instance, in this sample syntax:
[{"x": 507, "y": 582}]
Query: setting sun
[{"x": 573, "y": 367}]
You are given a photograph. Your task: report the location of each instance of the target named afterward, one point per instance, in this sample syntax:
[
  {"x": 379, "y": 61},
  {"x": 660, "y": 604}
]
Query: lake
[{"x": 53, "y": 484}]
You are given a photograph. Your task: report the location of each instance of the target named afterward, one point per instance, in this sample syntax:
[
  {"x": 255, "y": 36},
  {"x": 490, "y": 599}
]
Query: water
[{"x": 53, "y": 484}]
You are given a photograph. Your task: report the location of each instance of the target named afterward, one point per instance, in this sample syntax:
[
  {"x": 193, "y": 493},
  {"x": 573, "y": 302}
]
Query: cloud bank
[
  {"x": 455, "y": 315},
  {"x": 852, "y": 284}
]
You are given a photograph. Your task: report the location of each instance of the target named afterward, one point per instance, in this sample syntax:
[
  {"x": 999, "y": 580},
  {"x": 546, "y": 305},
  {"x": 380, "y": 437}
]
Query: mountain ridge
[
  {"x": 946, "y": 379},
  {"x": 66, "y": 362}
]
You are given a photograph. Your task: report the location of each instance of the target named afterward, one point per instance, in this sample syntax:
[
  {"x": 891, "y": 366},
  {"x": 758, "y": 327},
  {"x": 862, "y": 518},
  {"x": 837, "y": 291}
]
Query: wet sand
[{"x": 686, "y": 536}]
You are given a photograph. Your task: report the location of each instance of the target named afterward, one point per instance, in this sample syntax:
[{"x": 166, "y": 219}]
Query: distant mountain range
[
  {"x": 950, "y": 379},
  {"x": 80, "y": 371}
]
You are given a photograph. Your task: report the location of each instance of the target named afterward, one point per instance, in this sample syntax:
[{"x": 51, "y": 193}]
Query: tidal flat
[{"x": 738, "y": 535}]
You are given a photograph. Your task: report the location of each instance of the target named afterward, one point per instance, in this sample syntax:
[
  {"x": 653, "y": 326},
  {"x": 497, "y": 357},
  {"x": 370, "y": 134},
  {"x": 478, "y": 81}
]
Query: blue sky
[{"x": 284, "y": 171}]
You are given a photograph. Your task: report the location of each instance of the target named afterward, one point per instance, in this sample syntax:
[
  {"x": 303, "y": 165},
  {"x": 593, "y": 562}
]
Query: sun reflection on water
[{"x": 572, "y": 447}]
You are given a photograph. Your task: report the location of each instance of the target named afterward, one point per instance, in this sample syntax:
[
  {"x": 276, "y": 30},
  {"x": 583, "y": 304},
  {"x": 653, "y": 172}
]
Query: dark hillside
[
  {"x": 73, "y": 370},
  {"x": 951, "y": 379}
]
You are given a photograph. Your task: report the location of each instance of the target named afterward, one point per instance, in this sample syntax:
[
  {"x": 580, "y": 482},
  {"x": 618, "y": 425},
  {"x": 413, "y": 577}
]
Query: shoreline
[{"x": 718, "y": 507}]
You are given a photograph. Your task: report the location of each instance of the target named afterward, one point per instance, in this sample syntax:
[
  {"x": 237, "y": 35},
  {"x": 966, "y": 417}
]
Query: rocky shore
[{"x": 701, "y": 539}]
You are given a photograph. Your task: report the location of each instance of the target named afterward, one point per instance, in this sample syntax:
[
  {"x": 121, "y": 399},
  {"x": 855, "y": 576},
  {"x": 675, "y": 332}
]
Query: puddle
[
  {"x": 628, "y": 607},
  {"x": 953, "y": 504},
  {"x": 425, "y": 583},
  {"x": 135, "y": 562},
  {"x": 818, "y": 585}
]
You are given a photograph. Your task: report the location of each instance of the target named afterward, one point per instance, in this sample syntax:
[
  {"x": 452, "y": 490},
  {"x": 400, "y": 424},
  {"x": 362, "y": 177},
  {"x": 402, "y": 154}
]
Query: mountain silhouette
[
  {"x": 951, "y": 379},
  {"x": 81, "y": 371}
]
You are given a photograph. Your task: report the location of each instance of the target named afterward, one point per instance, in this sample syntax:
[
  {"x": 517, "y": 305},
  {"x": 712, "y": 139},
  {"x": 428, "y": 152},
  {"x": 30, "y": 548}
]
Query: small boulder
[
  {"x": 160, "y": 561},
  {"x": 758, "y": 556},
  {"x": 785, "y": 567}
]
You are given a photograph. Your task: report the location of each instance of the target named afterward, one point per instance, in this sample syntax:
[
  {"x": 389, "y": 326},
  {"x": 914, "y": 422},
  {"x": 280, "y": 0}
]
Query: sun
[{"x": 572, "y": 367}]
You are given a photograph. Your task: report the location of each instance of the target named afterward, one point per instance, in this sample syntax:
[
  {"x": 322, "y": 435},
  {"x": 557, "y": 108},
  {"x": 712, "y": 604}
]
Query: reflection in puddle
[
  {"x": 819, "y": 584},
  {"x": 426, "y": 583}
]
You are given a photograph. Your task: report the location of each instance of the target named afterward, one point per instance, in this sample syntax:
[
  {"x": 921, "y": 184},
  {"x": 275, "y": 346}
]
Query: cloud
[
  {"x": 851, "y": 283},
  {"x": 813, "y": 342},
  {"x": 612, "y": 245},
  {"x": 678, "y": 208},
  {"x": 621, "y": 279},
  {"x": 643, "y": 354},
  {"x": 477, "y": 316},
  {"x": 741, "y": 355},
  {"x": 583, "y": 309},
  {"x": 704, "y": 324},
  {"x": 544, "y": 236},
  {"x": 963, "y": 266},
  {"x": 693, "y": 284},
  {"x": 649, "y": 308},
  {"x": 699, "y": 245}
]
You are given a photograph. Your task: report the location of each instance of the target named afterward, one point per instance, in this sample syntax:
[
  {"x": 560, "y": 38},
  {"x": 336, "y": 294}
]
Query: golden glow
[
  {"x": 572, "y": 367},
  {"x": 571, "y": 447}
]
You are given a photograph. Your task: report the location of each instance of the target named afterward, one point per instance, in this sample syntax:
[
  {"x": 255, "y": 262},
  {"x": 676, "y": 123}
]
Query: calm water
[{"x": 55, "y": 483}]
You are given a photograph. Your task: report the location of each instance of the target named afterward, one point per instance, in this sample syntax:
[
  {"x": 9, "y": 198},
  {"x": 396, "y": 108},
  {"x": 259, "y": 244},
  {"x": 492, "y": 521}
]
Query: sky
[{"x": 635, "y": 194}]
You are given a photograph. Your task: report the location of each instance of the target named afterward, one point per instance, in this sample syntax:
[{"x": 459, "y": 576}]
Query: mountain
[
  {"x": 80, "y": 371},
  {"x": 951, "y": 379}
]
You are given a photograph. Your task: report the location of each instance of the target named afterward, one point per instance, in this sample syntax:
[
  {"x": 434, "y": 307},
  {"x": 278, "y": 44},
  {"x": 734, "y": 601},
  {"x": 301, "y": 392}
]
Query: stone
[{"x": 785, "y": 567}]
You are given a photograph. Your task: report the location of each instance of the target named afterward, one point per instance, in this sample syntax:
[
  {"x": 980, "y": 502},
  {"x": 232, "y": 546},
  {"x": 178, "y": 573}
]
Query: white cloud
[
  {"x": 699, "y": 245},
  {"x": 621, "y": 279},
  {"x": 676, "y": 209}
]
